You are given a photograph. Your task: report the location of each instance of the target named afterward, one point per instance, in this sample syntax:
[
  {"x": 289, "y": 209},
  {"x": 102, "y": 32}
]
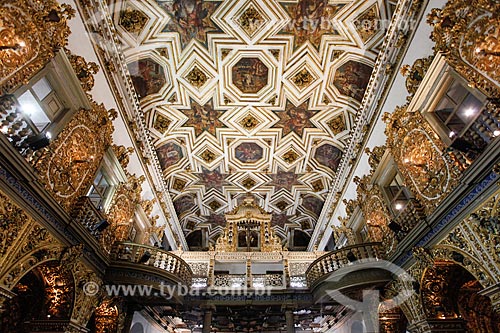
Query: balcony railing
[
  {"x": 410, "y": 216},
  {"x": 17, "y": 128},
  {"x": 87, "y": 215},
  {"x": 337, "y": 259},
  {"x": 154, "y": 257},
  {"x": 267, "y": 280}
]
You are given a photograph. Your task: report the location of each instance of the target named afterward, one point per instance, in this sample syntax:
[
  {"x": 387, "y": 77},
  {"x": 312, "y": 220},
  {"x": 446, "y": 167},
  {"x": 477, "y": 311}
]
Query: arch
[
  {"x": 195, "y": 240},
  {"x": 137, "y": 328},
  {"x": 465, "y": 260},
  {"x": 300, "y": 239}
]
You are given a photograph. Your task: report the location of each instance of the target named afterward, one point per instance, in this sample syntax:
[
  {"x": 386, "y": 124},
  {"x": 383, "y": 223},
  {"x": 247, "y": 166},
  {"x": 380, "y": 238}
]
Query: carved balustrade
[
  {"x": 230, "y": 280},
  {"x": 409, "y": 217},
  {"x": 337, "y": 259},
  {"x": 267, "y": 280},
  {"x": 16, "y": 127},
  {"x": 154, "y": 257},
  {"x": 87, "y": 215}
]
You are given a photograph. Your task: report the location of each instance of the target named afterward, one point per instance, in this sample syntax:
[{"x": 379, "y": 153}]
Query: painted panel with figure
[
  {"x": 147, "y": 76},
  {"x": 313, "y": 204},
  {"x": 203, "y": 118},
  {"x": 190, "y": 18},
  {"x": 328, "y": 156},
  {"x": 250, "y": 75},
  {"x": 295, "y": 118},
  {"x": 310, "y": 20},
  {"x": 169, "y": 154},
  {"x": 248, "y": 152},
  {"x": 352, "y": 78},
  {"x": 184, "y": 205}
]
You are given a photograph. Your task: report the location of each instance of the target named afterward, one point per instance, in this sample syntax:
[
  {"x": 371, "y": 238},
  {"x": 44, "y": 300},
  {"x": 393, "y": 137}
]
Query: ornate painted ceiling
[{"x": 251, "y": 97}]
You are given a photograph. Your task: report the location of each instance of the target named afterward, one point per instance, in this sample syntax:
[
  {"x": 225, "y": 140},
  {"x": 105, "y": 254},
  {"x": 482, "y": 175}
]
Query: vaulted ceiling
[{"x": 250, "y": 97}]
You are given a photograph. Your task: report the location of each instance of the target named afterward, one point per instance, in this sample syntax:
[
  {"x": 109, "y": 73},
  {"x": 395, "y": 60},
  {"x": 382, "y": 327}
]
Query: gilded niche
[
  {"x": 32, "y": 35},
  {"x": 70, "y": 163}
]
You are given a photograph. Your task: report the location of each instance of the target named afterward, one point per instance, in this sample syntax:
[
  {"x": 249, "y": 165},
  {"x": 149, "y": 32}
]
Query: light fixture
[
  {"x": 452, "y": 134},
  {"x": 496, "y": 133},
  {"x": 469, "y": 112},
  {"x": 406, "y": 160},
  {"x": 398, "y": 206}
]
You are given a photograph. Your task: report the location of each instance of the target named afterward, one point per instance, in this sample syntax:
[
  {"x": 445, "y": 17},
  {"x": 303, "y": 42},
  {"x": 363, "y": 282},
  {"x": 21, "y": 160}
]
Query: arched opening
[
  {"x": 300, "y": 240},
  {"x": 137, "y": 328},
  {"x": 195, "y": 240},
  {"x": 449, "y": 291},
  {"x": 45, "y": 293}
]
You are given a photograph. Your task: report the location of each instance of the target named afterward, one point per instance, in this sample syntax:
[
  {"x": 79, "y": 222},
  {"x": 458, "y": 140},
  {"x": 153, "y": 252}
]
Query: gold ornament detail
[
  {"x": 290, "y": 156},
  {"x": 84, "y": 70},
  {"x": 69, "y": 166},
  {"x": 32, "y": 34},
  {"x": 317, "y": 185},
  {"x": 337, "y": 124},
  {"x": 133, "y": 20},
  {"x": 208, "y": 156},
  {"x": 179, "y": 184},
  {"x": 367, "y": 24},
  {"x": 123, "y": 153},
  {"x": 161, "y": 123},
  {"x": 249, "y": 122},
  {"x": 248, "y": 183},
  {"x": 303, "y": 79},
  {"x": 196, "y": 77},
  {"x": 467, "y": 34},
  {"x": 415, "y": 74},
  {"x": 214, "y": 205},
  {"x": 251, "y": 21}
]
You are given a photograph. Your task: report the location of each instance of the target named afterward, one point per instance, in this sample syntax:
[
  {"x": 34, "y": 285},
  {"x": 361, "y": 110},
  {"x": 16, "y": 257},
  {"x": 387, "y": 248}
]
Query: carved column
[
  {"x": 207, "y": 321},
  {"x": 5, "y": 295},
  {"x": 290, "y": 323}
]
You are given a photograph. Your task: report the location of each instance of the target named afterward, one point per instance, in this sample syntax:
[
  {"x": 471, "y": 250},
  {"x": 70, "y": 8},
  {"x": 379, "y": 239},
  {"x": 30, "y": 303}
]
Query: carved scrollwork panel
[
  {"x": 68, "y": 167},
  {"x": 32, "y": 35}
]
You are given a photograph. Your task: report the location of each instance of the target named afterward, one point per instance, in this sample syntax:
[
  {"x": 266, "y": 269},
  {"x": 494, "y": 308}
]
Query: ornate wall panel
[
  {"x": 467, "y": 32},
  {"x": 69, "y": 165},
  {"x": 31, "y": 35},
  {"x": 249, "y": 96}
]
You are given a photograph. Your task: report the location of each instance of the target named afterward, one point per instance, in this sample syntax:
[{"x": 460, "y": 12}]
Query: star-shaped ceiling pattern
[{"x": 250, "y": 97}]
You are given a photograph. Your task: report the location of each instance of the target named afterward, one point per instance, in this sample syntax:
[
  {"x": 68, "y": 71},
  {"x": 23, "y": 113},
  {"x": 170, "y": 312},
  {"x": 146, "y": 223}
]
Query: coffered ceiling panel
[{"x": 249, "y": 97}]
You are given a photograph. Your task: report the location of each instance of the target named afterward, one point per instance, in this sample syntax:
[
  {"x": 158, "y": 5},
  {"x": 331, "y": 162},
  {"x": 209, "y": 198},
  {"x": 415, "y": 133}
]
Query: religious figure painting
[
  {"x": 190, "y": 18},
  {"x": 203, "y": 118},
  {"x": 212, "y": 179},
  {"x": 147, "y": 76},
  {"x": 328, "y": 156},
  {"x": 250, "y": 75},
  {"x": 295, "y": 118},
  {"x": 310, "y": 20},
  {"x": 285, "y": 179},
  {"x": 183, "y": 205},
  {"x": 248, "y": 152},
  {"x": 169, "y": 154},
  {"x": 313, "y": 204},
  {"x": 352, "y": 78}
]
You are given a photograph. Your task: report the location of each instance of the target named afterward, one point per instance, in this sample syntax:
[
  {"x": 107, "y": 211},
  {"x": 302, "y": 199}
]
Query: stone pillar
[
  {"x": 290, "y": 323},
  {"x": 207, "y": 321}
]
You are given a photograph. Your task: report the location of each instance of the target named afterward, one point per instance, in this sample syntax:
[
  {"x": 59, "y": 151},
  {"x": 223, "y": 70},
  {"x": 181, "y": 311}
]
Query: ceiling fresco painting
[{"x": 250, "y": 98}]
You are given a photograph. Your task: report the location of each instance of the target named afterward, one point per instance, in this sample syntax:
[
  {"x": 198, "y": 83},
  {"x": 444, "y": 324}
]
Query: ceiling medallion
[
  {"x": 249, "y": 122},
  {"x": 196, "y": 77},
  {"x": 317, "y": 185},
  {"x": 214, "y": 205},
  {"x": 337, "y": 124},
  {"x": 248, "y": 183},
  {"x": 208, "y": 156},
  {"x": 161, "y": 123},
  {"x": 282, "y": 205},
  {"x": 367, "y": 24},
  {"x": 133, "y": 20},
  {"x": 290, "y": 156},
  {"x": 179, "y": 184},
  {"x": 303, "y": 79},
  {"x": 295, "y": 118},
  {"x": 251, "y": 21}
]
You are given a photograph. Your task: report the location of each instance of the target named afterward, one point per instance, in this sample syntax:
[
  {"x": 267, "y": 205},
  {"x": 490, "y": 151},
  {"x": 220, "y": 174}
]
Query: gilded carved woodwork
[
  {"x": 68, "y": 167},
  {"x": 133, "y": 20},
  {"x": 122, "y": 153},
  {"x": 467, "y": 33},
  {"x": 85, "y": 302},
  {"x": 59, "y": 290},
  {"x": 107, "y": 317},
  {"x": 244, "y": 223},
  {"x": 84, "y": 70},
  {"x": 415, "y": 74},
  {"x": 35, "y": 33},
  {"x": 428, "y": 168},
  {"x": 121, "y": 214}
]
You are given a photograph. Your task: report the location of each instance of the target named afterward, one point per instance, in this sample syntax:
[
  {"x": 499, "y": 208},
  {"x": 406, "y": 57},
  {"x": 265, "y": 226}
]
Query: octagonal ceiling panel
[{"x": 249, "y": 97}]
